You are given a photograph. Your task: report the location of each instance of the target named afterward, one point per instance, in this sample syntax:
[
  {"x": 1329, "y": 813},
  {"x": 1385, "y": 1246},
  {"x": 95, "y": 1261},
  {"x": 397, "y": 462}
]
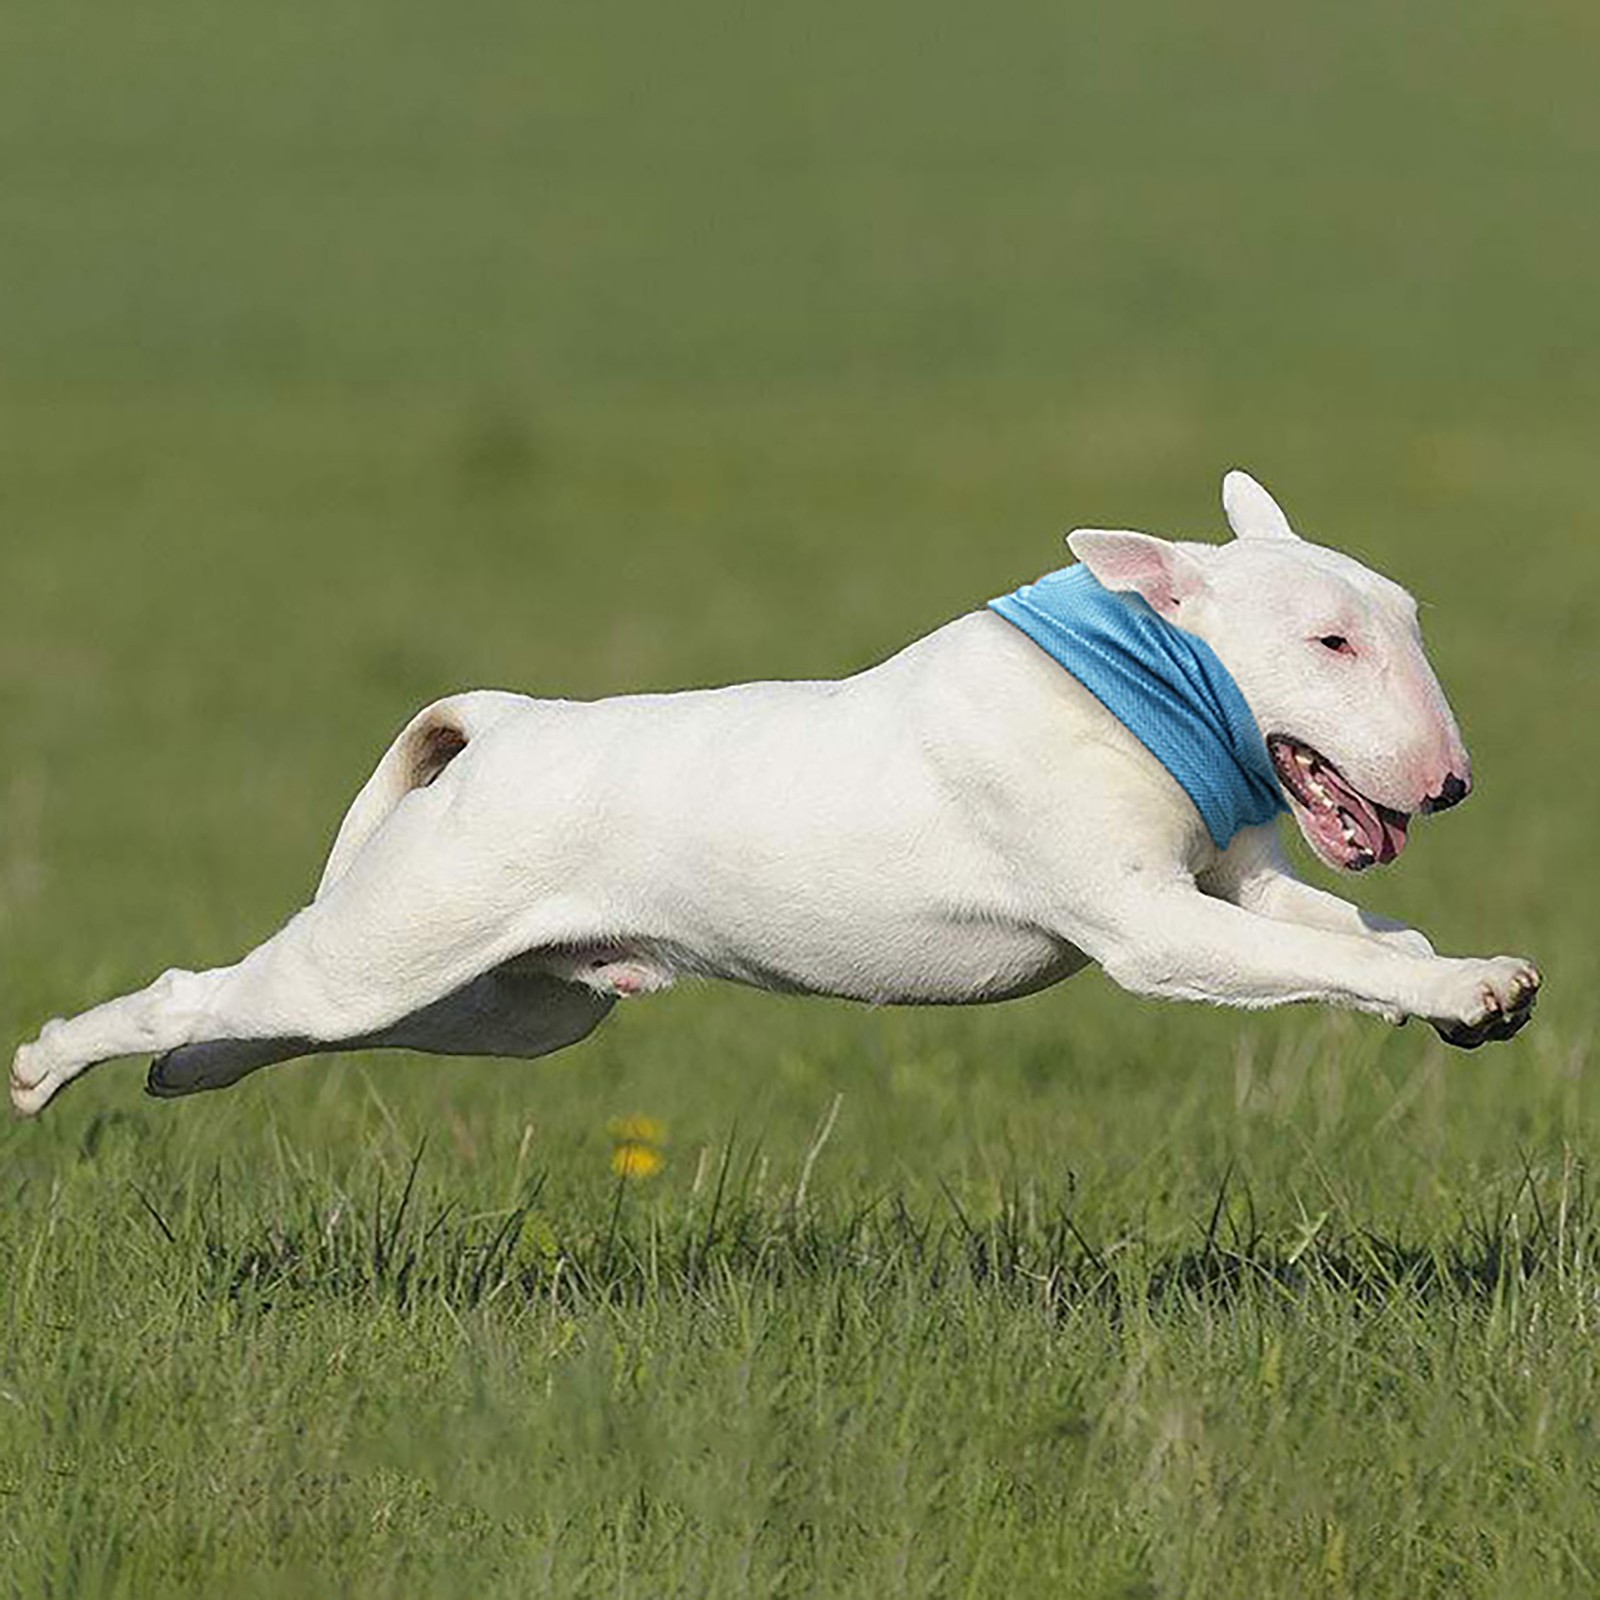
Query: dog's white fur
[{"x": 962, "y": 823}]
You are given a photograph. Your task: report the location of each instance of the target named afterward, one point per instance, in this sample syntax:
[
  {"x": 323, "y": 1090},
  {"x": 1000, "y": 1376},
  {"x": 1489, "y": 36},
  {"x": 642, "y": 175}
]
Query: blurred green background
[{"x": 352, "y": 353}]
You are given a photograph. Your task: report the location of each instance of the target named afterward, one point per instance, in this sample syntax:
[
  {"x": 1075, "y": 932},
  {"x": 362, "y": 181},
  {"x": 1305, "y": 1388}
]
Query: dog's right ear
[
  {"x": 1252, "y": 513},
  {"x": 1161, "y": 573}
]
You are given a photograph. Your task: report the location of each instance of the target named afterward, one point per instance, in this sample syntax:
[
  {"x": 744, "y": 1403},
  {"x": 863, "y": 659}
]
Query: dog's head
[{"x": 1329, "y": 658}]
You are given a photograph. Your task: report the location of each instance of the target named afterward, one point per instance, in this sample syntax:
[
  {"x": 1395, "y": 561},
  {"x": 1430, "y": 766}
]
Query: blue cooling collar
[{"x": 1167, "y": 687}]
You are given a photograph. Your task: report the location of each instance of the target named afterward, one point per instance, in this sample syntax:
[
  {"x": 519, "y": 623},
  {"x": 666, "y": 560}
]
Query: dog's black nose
[{"x": 1451, "y": 793}]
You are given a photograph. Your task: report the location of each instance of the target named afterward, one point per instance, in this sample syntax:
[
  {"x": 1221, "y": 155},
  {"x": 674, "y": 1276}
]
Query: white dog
[{"x": 965, "y": 822}]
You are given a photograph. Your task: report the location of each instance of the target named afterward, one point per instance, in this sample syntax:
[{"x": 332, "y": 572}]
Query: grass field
[{"x": 352, "y": 353}]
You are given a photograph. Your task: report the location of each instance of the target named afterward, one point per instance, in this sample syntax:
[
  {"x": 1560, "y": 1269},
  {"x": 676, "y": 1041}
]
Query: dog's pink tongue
[
  {"x": 1394, "y": 835},
  {"x": 1382, "y": 832}
]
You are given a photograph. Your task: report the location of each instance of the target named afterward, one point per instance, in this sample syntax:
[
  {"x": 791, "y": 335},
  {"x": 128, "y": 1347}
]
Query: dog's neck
[{"x": 1166, "y": 686}]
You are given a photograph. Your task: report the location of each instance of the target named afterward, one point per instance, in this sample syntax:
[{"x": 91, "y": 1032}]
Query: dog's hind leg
[
  {"x": 512, "y": 1011},
  {"x": 423, "y": 909}
]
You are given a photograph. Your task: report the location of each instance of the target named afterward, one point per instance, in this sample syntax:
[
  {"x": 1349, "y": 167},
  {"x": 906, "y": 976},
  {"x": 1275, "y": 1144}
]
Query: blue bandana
[{"x": 1164, "y": 685}]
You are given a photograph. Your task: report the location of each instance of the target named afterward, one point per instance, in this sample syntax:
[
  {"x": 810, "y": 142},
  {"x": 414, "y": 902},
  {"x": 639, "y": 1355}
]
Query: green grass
[{"x": 350, "y": 354}]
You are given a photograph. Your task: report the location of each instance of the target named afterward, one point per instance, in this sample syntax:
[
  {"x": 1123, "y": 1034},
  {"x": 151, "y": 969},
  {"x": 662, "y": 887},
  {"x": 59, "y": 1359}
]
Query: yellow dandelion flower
[
  {"x": 632, "y": 1160},
  {"x": 637, "y": 1130}
]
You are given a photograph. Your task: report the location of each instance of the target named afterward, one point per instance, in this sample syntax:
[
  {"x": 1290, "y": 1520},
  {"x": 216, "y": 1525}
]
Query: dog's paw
[
  {"x": 34, "y": 1075},
  {"x": 1484, "y": 1000}
]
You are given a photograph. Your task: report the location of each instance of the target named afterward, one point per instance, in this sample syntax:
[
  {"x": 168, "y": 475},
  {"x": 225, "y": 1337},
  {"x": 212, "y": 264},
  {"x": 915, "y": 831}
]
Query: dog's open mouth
[{"x": 1342, "y": 825}]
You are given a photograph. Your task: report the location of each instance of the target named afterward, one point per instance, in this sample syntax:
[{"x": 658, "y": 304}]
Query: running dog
[{"x": 1086, "y": 770}]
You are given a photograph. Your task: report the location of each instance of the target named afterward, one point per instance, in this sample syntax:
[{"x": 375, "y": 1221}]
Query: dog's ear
[
  {"x": 1163, "y": 574},
  {"x": 1252, "y": 512}
]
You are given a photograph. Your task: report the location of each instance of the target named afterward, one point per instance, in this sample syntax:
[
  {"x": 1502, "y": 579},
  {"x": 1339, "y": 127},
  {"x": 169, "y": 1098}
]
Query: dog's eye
[{"x": 1337, "y": 643}]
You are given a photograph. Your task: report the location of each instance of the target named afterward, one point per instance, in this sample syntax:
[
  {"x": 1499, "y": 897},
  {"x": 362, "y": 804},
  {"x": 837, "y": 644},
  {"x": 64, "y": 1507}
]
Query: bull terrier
[{"x": 1087, "y": 770}]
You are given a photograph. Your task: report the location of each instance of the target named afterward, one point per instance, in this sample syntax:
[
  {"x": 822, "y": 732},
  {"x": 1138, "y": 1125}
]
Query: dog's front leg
[
  {"x": 1255, "y": 873},
  {"x": 1180, "y": 943}
]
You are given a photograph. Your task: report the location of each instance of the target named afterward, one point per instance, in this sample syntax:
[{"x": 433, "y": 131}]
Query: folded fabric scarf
[{"x": 1167, "y": 687}]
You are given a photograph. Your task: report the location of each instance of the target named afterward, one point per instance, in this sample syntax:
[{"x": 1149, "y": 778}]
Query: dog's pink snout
[
  {"x": 1447, "y": 776},
  {"x": 1452, "y": 792}
]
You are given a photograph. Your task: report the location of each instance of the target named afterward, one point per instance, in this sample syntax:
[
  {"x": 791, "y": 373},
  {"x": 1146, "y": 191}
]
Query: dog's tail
[{"x": 426, "y": 746}]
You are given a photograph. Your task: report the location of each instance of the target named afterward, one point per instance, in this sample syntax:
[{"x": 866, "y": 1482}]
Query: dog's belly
[
  {"x": 964, "y": 966},
  {"x": 888, "y": 963}
]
